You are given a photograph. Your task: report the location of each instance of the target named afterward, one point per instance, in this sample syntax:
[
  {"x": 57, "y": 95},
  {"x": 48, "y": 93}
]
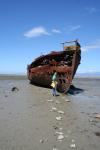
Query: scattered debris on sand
[
  {"x": 60, "y": 137},
  {"x": 97, "y": 116},
  {"x": 61, "y": 112},
  {"x": 97, "y": 134},
  {"x": 73, "y": 146},
  {"x": 50, "y": 100},
  {"x": 14, "y": 89},
  {"x": 58, "y": 118},
  {"x": 54, "y": 148},
  {"x": 43, "y": 140},
  {"x": 67, "y": 100}
]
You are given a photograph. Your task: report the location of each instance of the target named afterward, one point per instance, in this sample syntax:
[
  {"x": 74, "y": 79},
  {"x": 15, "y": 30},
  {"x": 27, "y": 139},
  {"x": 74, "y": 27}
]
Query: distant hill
[
  {"x": 88, "y": 74},
  {"x": 12, "y": 76}
]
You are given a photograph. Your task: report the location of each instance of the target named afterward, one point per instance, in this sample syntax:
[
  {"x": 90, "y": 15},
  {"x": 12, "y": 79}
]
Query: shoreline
[
  {"x": 12, "y": 77},
  {"x": 23, "y": 77}
]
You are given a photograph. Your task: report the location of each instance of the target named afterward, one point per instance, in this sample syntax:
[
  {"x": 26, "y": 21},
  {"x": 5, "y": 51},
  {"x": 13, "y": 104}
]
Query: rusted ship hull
[{"x": 65, "y": 63}]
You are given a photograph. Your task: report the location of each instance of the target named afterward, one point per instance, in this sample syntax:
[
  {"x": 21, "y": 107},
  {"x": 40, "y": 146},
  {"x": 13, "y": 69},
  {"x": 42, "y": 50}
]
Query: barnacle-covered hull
[{"x": 64, "y": 62}]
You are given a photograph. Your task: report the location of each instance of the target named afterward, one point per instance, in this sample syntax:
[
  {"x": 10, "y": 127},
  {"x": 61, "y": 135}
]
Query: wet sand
[{"x": 32, "y": 119}]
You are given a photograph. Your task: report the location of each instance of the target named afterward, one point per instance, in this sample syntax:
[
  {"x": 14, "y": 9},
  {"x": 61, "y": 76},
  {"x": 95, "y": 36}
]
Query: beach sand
[{"x": 32, "y": 119}]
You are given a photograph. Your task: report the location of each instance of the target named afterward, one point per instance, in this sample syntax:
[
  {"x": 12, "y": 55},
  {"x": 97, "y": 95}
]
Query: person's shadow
[{"x": 73, "y": 90}]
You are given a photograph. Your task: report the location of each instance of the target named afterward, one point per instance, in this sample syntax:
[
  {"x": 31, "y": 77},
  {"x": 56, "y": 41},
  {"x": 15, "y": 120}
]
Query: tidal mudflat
[{"x": 32, "y": 119}]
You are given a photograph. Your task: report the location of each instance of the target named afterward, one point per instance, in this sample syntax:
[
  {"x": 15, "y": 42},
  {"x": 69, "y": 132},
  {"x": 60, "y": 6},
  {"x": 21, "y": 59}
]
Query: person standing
[{"x": 54, "y": 86}]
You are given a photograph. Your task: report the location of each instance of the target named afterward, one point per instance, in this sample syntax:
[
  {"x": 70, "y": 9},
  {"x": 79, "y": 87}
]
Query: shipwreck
[{"x": 64, "y": 62}]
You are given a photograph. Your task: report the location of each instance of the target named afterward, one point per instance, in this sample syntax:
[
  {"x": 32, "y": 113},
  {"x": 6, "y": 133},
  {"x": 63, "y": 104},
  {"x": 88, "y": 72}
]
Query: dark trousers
[{"x": 54, "y": 91}]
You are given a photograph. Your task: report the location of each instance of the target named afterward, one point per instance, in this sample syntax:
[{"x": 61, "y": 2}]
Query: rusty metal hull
[{"x": 65, "y": 63}]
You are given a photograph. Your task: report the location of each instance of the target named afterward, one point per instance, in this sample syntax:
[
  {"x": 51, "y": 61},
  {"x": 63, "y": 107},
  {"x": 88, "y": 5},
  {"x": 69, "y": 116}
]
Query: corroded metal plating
[{"x": 64, "y": 62}]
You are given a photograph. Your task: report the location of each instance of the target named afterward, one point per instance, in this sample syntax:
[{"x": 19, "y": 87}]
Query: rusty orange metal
[{"x": 64, "y": 62}]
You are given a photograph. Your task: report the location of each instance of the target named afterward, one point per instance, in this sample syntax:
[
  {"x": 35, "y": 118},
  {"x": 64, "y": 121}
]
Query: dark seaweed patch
[{"x": 97, "y": 134}]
